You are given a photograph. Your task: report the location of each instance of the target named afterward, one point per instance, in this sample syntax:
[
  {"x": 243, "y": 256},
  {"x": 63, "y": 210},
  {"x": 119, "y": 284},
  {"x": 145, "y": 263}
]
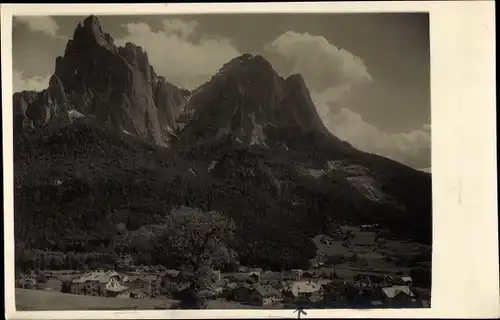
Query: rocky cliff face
[
  {"x": 21, "y": 101},
  {"x": 249, "y": 100},
  {"x": 115, "y": 85}
]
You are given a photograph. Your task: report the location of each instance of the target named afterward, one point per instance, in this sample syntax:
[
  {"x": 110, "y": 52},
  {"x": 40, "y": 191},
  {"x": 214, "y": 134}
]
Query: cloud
[
  {"x": 332, "y": 74},
  {"x": 322, "y": 64},
  {"x": 35, "y": 83},
  {"x": 45, "y": 25},
  {"x": 411, "y": 148},
  {"x": 176, "y": 55}
]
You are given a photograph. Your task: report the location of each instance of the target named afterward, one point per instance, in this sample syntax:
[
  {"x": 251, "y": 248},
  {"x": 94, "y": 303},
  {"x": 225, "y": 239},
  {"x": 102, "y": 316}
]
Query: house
[
  {"x": 326, "y": 272},
  {"x": 398, "y": 296},
  {"x": 171, "y": 273},
  {"x": 373, "y": 279},
  {"x": 216, "y": 275},
  {"x": 408, "y": 281},
  {"x": 264, "y": 295},
  {"x": 296, "y": 274},
  {"x": 28, "y": 283},
  {"x": 292, "y": 275},
  {"x": 231, "y": 285},
  {"x": 95, "y": 283},
  {"x": 115, "y": 289},
  {"x": 303, "y": 290},
  {"x": 242, "y": 293},
  {"x": 137, "y": 294},
  {"x": 149, "y": 284},
  {"x": 255, "y": 275}
]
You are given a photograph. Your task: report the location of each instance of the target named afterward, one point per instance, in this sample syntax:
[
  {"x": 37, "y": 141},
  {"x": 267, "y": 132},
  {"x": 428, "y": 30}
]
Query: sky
[{"x": 368, "y": 73}]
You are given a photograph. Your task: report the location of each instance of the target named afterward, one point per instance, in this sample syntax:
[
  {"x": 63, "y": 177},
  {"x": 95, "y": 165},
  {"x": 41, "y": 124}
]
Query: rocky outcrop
[
  {"x": 108, "y": 82},
  {"x": 170, "y": 102},
  {"x": 115, "y": 85},
  {"x": 298, "y": 105},
  {"x": 38, "y": 109},
  {"x": 21, "y": 101},
  {"x": 249, "y": 100}
]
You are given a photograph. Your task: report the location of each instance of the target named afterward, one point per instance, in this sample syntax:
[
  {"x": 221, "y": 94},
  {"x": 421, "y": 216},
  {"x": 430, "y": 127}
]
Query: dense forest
[{"x": 84, "y": 188}]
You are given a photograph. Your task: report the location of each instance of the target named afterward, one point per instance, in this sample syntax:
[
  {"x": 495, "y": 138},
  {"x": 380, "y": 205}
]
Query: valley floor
[
  {"x": 33, "y": 300},
  {"x": 36, "y": 300}
]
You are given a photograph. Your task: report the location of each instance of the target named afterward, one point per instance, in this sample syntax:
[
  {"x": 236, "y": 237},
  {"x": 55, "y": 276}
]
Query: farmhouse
[
  {"x": 408, "y": 281},
  {"x": 96, "y": 283},
  {"x": 398, "y": 296},
  {"x": 264, "y": 295},
  {"x": 242, "y": 293},
  {"x": 148, "y": 285},
  {"x": 304, "y": 290}
]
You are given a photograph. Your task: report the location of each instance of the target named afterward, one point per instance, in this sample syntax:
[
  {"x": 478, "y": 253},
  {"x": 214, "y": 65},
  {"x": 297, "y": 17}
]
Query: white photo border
[{"x": 465, "y": 272}]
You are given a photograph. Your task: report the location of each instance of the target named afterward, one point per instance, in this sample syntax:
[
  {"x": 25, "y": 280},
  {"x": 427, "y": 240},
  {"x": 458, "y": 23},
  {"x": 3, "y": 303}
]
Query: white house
[{"x": 96, "y": 283}]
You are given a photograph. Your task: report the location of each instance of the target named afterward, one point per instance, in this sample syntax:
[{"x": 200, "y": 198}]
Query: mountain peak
[
  {"x": 92, "y": 22},
  {"x": 91, "y": 32},
  {"x": 117, "y": 86},
  {"x": 296, "y": 79},
  {"x": 246, "y": 61},
  {"x": 248, "y": 98}
]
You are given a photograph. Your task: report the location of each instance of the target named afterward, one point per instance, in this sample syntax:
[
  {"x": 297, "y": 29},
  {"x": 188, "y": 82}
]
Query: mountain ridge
[
  {"x": 91, "y": 77},
  {"x": 247, "y": 97},
  {"x": 248, "y": 143}
]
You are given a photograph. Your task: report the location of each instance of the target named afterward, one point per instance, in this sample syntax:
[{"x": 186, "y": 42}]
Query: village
[{"x": 330, "y": 282}]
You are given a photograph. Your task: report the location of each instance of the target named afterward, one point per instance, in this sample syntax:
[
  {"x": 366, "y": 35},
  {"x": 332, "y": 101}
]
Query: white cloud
[
  {"x": 46, "y": 25},
  {"x": 411, "y": 148},
  {"x": 331, "y": 74},
  {"x": 35, "y": 83},
  {"x": 321, "y": 63},
  {"x": 174, "y": 54}
]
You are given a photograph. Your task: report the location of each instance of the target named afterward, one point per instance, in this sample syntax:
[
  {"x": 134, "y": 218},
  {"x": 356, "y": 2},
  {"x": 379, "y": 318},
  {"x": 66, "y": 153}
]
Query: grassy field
[
  {"x": 27, "y": 300},
  {"x": 374, "y": 256},
  {"x": 35, "y": 300}
]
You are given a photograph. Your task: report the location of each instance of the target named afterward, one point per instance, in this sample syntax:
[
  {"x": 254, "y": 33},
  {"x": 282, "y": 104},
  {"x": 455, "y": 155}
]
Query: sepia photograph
[
  {"x": 276, "y": 161},
  {"x": 241, "y": 161}
]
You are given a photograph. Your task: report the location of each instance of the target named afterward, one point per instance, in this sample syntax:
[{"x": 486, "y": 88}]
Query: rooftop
[
  {"x": 100, "y": 276},
  {"x": 117, "y": 288},
  {"x": 265, "y": 291},
  {"x": 299, "y": 287},
  {"x": 394, "y": 291}
]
